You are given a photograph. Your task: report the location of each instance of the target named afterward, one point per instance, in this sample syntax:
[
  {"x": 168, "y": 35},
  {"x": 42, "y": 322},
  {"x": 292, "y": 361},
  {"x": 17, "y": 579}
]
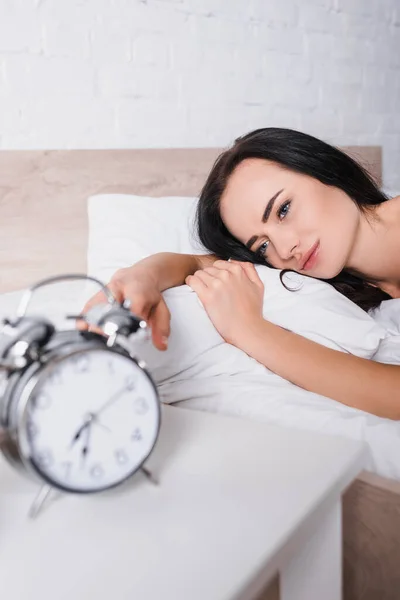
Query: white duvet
[{"x": 201, "y": 371}]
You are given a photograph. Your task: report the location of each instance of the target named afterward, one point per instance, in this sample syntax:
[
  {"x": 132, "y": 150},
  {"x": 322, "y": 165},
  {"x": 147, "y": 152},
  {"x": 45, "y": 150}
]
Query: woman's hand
[
  {"x": 232, "y": 294},
  {"x": 138, "y": 286}
]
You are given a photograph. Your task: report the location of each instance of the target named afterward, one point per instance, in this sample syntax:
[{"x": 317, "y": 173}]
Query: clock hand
[
  {"x": 79, "y": 432},
  {"x": 87, "y": 422},
  {"x": 100, "y": 424},
  {"x": 85, "y": 448},
  {"x": 111, "y": 400},
  {"x": 92, "y": 417}
]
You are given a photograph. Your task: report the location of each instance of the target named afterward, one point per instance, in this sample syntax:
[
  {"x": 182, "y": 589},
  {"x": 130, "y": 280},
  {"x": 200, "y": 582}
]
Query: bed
[{"x": 44, "y": 231}]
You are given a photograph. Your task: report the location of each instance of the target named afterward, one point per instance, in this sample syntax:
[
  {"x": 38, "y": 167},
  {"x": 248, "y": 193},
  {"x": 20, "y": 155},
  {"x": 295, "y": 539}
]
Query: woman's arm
[
  {"x": 232, "y": 294},
  {"x": 142, "y": 284},
  {"x": 168, "y": 269},
  {"x": 357, "y": 382}
]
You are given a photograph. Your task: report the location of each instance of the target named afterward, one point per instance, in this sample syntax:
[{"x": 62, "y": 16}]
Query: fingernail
[{"x": 164, "y": 340}]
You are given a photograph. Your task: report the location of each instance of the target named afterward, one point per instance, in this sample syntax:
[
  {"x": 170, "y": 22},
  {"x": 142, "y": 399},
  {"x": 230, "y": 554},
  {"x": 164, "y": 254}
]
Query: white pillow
[
  {"x": 124, "y": 228},
  {"x": 315, "y": 311}
]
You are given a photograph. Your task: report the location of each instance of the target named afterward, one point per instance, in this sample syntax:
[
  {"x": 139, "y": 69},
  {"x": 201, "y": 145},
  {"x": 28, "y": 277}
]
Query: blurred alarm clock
[{"x": 78, "y": 411}]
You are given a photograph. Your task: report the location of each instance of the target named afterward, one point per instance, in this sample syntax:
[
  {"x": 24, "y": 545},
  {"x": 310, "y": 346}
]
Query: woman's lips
[{"x": 312, "y": 258}]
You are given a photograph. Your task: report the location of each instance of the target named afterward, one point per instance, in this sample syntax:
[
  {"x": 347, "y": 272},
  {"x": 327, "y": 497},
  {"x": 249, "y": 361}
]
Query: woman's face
[{"x": 292, "y": 220}]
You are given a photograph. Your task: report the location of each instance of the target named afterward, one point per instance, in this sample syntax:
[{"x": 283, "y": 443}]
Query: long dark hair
[{"x": 304, "y": 154}]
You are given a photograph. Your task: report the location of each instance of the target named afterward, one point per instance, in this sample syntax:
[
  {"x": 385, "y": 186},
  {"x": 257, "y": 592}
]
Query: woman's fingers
[
  {"x": 144, "y": 305},
  {"x": 203, "y": 276},
  {"x": 251, "y": 272},
  {"x": 139, "y": 303},
  {"x": 98, "y": 298},
  {"x": 198, "y": 282},
  {"x": 159, "y": 321},
  {"x": 235, "y": 266},
  {"x": 228, "y": 265},
  {"x": 136, "y": 289}
]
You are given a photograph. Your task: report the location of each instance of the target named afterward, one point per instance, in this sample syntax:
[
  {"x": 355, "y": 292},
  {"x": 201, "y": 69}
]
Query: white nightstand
[{"x": 238, "y": 501}]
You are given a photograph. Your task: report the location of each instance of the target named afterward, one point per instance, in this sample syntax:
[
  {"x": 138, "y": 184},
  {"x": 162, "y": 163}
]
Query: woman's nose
[{"x": 286, "y": 248}]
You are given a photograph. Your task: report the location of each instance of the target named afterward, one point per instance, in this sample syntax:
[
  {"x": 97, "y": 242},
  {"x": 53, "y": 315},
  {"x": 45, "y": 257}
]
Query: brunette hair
[{"x": 304, "y": 154}]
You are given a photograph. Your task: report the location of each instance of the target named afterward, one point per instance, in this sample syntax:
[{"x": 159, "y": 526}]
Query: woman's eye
[
  {"x": 283, "y": 210},
  {"x": 263, "y": 248}
]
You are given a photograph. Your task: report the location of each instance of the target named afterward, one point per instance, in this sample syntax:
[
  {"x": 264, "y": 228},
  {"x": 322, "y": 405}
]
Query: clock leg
[
  {"x": 149, "y": 475},
  {"x": 40, "y": 500}
]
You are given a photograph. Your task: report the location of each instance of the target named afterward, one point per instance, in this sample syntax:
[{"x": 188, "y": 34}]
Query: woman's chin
[{"x": 322, "y": 273}]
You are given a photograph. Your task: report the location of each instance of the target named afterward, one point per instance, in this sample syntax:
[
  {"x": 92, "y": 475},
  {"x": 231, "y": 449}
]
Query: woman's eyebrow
[{"x": 265, "y": 217}]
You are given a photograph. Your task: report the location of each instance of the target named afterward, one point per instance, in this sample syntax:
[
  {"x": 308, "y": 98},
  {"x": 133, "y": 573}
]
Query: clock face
[{"x": 91, "y": 420}]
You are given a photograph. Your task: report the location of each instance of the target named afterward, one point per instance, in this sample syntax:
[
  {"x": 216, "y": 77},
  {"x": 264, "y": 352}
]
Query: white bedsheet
[
  {"x": 276, "y": 401},
  {"x": 289, "y": 406},
  {"x": 222, "y": 379}
]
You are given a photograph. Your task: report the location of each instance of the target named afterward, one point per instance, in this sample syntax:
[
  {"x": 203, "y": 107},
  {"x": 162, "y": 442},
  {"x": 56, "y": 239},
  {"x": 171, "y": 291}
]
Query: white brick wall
[{"x": 147, "y": 73}]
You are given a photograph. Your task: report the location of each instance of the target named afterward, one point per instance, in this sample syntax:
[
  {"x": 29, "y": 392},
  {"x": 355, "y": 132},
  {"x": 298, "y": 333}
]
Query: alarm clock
[{"x": 79, "y": 412}]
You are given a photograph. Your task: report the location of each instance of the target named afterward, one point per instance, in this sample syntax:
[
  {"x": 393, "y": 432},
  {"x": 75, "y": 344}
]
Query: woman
[{"x": 283, "y": 198}]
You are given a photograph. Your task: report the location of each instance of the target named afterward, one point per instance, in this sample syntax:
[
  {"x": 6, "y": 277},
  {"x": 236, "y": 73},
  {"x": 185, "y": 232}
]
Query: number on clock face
[{"x": 91, "y": 426}]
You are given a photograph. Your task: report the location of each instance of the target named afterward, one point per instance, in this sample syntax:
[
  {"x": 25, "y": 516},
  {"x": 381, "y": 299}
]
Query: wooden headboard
[{"x": 43, "y": 216}]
